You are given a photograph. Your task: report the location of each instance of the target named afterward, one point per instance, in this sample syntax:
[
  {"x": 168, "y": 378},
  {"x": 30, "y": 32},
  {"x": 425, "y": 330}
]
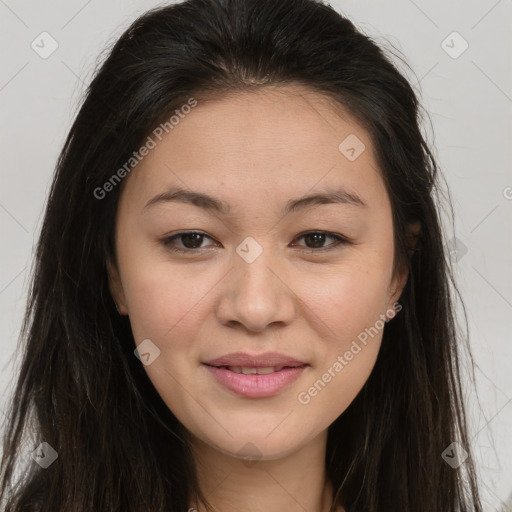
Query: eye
[
  {"x": 317, "y": 238},
  {"x": 192, "y": 240}
]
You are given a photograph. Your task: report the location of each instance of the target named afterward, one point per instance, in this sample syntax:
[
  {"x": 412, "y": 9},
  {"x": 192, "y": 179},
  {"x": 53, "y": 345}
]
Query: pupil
[
  {"x": 196, "y": 236},
  {"x": 318, "y": 238}
]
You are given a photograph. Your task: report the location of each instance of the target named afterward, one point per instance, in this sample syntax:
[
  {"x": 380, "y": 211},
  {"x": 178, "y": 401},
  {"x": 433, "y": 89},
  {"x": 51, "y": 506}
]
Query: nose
[{"x": 256, "y": 295}]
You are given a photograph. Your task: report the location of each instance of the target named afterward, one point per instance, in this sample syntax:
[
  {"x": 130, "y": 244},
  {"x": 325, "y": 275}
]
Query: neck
[{"x": 295, "y": 482}]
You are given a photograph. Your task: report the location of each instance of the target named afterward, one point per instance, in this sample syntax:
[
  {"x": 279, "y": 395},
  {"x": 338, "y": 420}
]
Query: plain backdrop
[{"x": 460, "y": 59}]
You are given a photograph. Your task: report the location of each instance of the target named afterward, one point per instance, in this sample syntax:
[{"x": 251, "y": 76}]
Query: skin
[{"x": 256, "y": 151}]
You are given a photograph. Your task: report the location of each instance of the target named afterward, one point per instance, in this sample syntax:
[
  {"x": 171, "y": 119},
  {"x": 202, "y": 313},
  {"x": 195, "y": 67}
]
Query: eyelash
[{"x": 340, "y": 240}]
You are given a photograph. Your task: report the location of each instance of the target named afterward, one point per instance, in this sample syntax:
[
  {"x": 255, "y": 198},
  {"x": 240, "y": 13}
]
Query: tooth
[
  {"x": 262, "y": 370},
  {"x": 265, "y": 370}
]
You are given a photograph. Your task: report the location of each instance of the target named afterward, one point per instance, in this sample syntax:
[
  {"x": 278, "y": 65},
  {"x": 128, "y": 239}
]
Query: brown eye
[
  {"x": 315, "y": 240},
  {"x": 193, "y": 240},
  {"x": 190, "y": 240}
]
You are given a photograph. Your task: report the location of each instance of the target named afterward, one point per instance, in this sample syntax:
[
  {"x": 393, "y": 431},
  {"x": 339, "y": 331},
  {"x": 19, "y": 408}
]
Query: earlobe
[
  {"x": 116, "y": 287},
  {"x": 397, "y": 287}
]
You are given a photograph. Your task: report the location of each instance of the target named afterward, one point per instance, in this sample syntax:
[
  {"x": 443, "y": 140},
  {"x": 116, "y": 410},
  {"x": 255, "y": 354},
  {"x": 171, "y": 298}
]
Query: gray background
[{"x": 468, "y": 96}]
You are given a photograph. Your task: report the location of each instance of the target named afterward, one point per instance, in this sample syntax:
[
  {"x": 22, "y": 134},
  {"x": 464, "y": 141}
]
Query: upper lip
[{"x": 265, "y": 360}]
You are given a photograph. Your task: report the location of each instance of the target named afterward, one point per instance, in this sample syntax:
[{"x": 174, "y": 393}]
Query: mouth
[
  {"x": 244, "y": 360},
  {"x": 256, "y": 370},
  {"x": 255, "y": 381}
]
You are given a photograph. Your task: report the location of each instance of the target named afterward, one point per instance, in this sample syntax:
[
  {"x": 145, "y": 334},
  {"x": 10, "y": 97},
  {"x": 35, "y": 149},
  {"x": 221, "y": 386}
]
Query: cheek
[
  {"x": 353, "y": 311},
  {"x": 349, "y": 305},
  {"x": 348, "y": 299},
  {"x": 162, "y": 298},
  {"x": 167, "y": 307}
]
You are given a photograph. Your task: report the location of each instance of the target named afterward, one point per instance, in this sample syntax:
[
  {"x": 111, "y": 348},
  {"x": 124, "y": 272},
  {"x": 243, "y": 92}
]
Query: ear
[
  {"x": 412, "y": 232},
  {"x": 116, "y": 287}
]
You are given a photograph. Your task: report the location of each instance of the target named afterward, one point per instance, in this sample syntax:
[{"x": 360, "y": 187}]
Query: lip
[
  {"x": 255, "y": 361},
  {"x": 255, "y": 385}
]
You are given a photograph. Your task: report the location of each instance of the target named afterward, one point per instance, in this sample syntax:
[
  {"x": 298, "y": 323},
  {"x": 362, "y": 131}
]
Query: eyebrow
[{"x": 212, "y": 204}]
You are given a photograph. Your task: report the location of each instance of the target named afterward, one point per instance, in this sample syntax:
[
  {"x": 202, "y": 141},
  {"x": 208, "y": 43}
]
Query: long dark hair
[{"x": 80, "y": 388}]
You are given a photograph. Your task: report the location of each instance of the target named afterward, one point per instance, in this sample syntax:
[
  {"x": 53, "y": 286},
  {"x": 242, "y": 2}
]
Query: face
[{"x": 256, "y": 269}]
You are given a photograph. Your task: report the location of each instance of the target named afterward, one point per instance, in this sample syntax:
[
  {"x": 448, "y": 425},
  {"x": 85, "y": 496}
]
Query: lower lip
[{"x": 254, "y": 385}]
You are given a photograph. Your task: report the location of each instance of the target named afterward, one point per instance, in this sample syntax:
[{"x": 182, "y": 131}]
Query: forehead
[{"x": 288, "y": 137}]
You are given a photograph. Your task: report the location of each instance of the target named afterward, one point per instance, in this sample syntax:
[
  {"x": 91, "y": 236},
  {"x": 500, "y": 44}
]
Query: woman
[{"x": 241, "y": 299}]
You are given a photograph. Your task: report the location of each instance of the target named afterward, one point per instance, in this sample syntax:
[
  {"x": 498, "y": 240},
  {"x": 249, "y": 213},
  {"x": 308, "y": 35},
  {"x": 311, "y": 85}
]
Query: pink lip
[
  {"x": 254, "y": 385},
  {"x": 249, "y": 361}
]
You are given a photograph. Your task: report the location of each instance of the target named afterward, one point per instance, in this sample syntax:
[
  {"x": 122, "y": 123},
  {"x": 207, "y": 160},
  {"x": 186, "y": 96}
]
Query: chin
[
  {"x": 255, "y": 450},
  {"x": 257, "y": 444}
]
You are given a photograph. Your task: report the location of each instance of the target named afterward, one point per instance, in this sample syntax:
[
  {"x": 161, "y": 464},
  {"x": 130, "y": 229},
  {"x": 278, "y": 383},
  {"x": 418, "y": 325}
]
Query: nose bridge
[{"x": 256, "y": 296}]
